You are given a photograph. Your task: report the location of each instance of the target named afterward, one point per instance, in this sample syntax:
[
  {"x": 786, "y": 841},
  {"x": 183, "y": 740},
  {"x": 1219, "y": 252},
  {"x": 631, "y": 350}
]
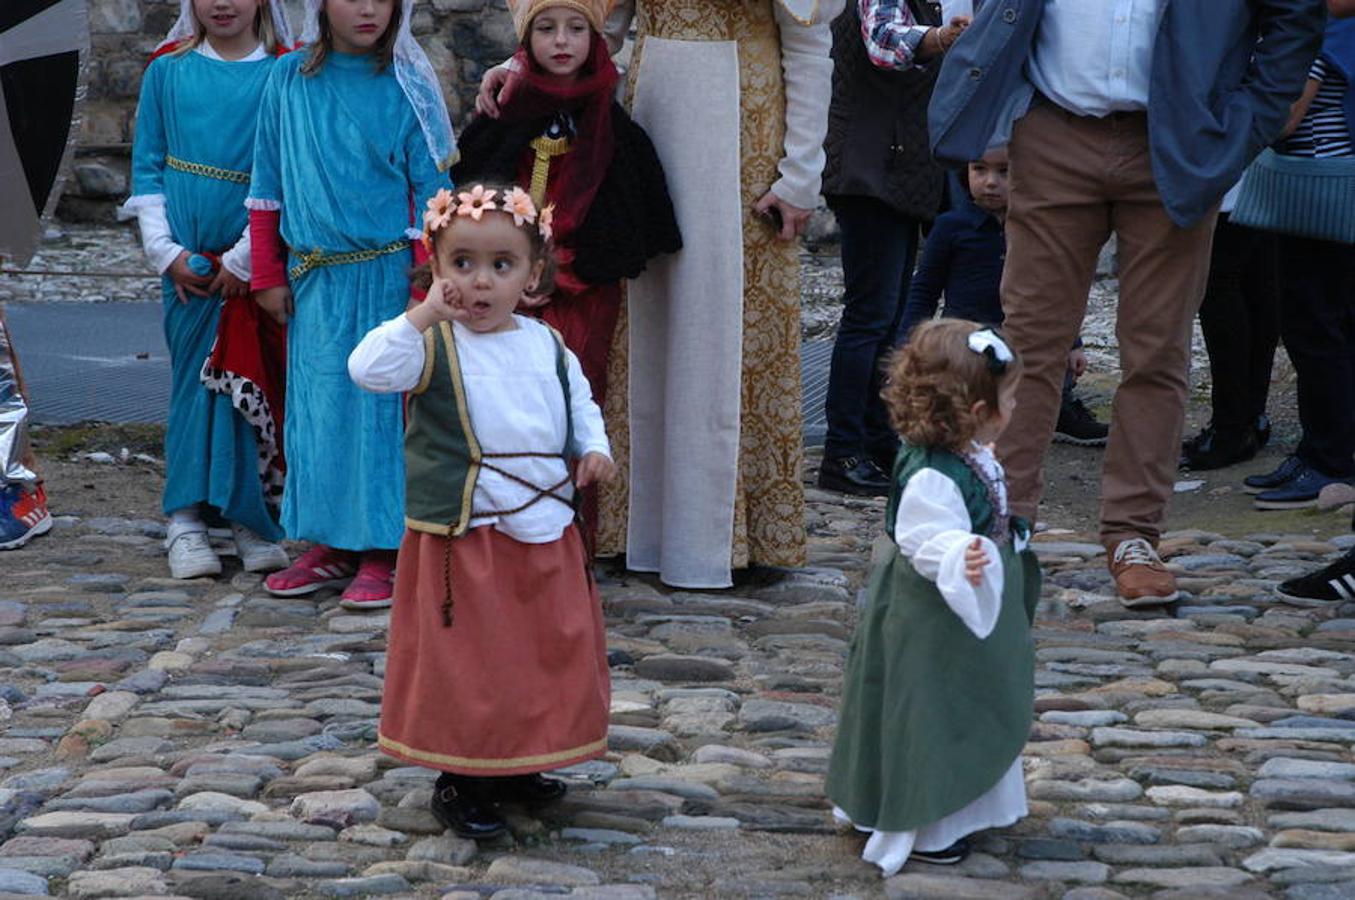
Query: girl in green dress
[{"x": 939, "y": 688}]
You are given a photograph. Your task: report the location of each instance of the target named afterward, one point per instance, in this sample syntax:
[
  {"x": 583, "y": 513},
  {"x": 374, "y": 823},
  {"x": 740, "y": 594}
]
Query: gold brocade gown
[{"x": 769, "y": 496}]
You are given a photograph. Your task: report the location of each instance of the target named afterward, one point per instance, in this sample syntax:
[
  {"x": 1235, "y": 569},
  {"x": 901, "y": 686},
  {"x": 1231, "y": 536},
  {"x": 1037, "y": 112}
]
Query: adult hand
[
  {"x": 793, "y": 218},
  {"x": 185, "y": 281},
  {"x": 277, "y": 302},
  {"x": 227, "y": 284},
  {"x": 940, "y": 39},
  {"x": 593, "y": 469},
  {"x": 495, "y": 89}
]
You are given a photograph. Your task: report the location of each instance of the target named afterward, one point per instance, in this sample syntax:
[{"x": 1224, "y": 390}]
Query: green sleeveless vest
[
  {"x": 442, "y": 456},
  {"x": 932, "y": 717}
]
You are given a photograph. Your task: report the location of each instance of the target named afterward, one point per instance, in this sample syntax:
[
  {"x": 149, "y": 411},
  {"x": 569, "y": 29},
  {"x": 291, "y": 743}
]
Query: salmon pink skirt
[{"x": 518, "y": 683}]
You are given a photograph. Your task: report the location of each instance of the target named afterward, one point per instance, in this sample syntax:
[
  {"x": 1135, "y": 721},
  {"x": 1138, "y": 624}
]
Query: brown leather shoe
[{"x": 1140, "y": 577}]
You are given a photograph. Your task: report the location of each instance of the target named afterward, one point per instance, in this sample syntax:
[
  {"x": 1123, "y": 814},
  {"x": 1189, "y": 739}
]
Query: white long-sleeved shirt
[
  {"x": 153, "y": 220},
  {"x": 1095, "y": 57},
  {"x": 516, "y": 405},
  {"x": 933, "y": 529}
]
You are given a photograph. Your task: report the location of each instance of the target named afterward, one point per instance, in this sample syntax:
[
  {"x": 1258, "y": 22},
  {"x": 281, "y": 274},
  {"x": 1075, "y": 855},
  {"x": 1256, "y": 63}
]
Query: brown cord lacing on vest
[{"x": 541, "y": 494}]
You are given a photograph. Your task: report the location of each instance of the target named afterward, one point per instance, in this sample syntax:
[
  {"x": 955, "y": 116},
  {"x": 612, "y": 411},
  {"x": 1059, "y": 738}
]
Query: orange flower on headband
[
  {"x": 475, "y": 201},
  {"x": 441, "y": 207},
  {"x": 544, "y": 219},
  {"x": 519, "y": 203}
]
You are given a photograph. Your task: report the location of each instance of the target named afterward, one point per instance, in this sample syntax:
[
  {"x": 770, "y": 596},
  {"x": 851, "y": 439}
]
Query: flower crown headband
[{"x": 474, "y": 203}]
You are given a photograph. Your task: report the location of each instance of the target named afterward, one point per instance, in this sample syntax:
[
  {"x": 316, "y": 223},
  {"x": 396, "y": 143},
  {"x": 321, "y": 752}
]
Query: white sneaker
[
  {"x": 256, "y": 554},
  {"x": 190, "y": 552}
]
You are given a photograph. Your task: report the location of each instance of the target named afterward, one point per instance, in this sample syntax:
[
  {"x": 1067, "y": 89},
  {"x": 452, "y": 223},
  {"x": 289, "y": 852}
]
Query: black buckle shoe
[
  {"x": 852, "y": 475},
  {"x": 531, "y": 790},
  {"x": 458, "y": 806}
]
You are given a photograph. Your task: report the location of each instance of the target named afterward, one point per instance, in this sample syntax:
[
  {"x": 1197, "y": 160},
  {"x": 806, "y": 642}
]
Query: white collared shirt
[{"x": 1094, "y": 57}]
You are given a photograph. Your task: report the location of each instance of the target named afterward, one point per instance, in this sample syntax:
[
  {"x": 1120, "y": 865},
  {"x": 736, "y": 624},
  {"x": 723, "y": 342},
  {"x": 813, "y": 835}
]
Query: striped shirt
[
  {"x": 890, "y": 32},
  {"x": 1324, "y": 131}
]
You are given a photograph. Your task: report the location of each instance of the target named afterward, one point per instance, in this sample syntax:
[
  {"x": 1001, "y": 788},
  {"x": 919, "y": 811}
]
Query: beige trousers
[{"x": 1074, "y": 182}]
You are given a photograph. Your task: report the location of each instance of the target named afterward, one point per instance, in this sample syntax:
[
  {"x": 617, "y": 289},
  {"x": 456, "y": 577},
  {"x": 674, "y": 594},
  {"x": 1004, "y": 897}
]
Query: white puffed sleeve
[
  {"x": 153, "y": 221},
  {"x": 389, "y": 359},
  {"x": 806, "y": 44},
  {"x": 933, "y": 529},
  {"x": 236, "y": 259}
]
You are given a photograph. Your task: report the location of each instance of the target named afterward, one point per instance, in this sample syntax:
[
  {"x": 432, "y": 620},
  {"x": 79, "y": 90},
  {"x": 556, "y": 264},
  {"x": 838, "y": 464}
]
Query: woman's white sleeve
[
  {"x": 807, "y": 66},
  {"x": 617, "y": 24},
  {"x": 589, "y": 434},
  {"x": 389, "y": 359},
  {"x": 933, "y": 529},
  {"x": 161, "y": 251}
]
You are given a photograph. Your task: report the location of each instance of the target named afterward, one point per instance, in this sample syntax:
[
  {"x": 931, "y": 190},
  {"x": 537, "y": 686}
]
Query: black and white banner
[{"x": 44, "y": 45}]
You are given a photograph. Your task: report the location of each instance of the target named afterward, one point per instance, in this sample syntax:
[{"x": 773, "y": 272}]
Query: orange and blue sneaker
[{"x": 23, "y": 515}]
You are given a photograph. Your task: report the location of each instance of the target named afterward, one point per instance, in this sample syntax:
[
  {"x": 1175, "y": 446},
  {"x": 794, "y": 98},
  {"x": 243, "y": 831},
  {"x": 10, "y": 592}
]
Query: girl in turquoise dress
[
  {"x": 351, "y": 127},
  {"x": 190, "y": 172},
  {"x": 939, "y": 687}
]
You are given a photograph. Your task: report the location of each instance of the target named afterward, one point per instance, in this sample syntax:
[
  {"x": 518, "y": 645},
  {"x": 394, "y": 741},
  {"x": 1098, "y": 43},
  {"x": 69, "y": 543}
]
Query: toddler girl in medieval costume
[
  {"x": 191, "y": 158},
  {"x": 351, "y": 129},
  {"x": 939, "y": 687},
  {"x": 497, "y": 663}
]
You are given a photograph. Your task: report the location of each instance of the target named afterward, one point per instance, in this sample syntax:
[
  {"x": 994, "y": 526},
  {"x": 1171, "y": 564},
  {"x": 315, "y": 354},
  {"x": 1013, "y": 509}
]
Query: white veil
[
  {"x": 186, "y": 25},
  {"x": 417, "y": 79}
]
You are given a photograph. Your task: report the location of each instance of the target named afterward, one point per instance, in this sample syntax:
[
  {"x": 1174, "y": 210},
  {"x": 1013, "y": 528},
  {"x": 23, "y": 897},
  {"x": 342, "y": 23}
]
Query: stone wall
[{"x": 462, "y": 38}]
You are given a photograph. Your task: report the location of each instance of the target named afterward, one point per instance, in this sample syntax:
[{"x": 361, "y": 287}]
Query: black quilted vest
[{"x": 877, "y": 124}]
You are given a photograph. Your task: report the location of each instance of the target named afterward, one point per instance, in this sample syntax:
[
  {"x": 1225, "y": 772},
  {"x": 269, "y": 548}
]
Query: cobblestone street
[{"x": 202, "y": 739}]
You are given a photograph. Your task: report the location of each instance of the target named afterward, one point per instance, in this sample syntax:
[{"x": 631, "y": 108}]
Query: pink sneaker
[
  {"x": 319, "y": 567},
  {"x": 373, "y": 587}
]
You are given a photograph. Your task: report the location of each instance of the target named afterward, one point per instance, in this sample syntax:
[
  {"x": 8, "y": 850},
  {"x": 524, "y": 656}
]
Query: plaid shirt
[{"x": 891, "y": 33}]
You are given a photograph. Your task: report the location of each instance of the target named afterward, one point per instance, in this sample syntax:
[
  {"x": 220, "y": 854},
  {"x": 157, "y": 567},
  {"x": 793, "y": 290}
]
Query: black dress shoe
[
  {"x": 1214, "y": 448},
  {"x": 532, "y": 790},
  {"x": 853, "y": 475},
  {"x": 459, "y": 805}
]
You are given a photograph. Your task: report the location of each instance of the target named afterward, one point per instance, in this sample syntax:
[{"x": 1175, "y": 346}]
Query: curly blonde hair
[{"x": 934, "y": 381}]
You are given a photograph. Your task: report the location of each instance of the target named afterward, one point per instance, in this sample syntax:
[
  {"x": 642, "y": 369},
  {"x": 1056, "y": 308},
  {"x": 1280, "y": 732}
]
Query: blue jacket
[{"x": 1224, "y": 75}]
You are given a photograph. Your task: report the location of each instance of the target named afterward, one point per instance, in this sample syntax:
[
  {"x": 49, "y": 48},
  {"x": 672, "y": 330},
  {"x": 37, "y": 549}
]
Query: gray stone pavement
[{"x": 202, "y": 739}]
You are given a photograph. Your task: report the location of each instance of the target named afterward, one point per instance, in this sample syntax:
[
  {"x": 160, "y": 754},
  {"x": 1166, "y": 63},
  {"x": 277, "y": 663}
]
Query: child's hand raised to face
[
  {"x": 593, "y": 468},
  {"x": 442, "y": 304},
  {"x": 975, "y": 560}
]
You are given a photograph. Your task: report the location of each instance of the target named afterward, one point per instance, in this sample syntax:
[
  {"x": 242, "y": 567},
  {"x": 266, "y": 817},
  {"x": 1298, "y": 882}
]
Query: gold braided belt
[
  {"x": 315, "y": 259},
  {"x": 207, "y": 171}
]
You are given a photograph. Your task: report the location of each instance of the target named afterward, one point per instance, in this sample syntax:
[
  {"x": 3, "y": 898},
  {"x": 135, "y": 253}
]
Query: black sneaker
[
  {"x": 1284, "y": 473},
  {"x": 853, "y": 475},
  {"x": 1078, "y": 426},
  {"x": 1333, "y": 584},
  {"x": 950, "y": 856},
  {"x": 458, "y": 805}
]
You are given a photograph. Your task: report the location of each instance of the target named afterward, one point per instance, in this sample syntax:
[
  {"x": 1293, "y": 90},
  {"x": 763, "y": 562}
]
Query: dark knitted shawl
[{"x": 631, "y": 218}]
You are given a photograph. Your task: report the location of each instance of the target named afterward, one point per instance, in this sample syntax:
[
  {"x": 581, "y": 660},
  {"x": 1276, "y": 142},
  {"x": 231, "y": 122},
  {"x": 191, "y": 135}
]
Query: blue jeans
[{"x": 878, "y": 250}]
